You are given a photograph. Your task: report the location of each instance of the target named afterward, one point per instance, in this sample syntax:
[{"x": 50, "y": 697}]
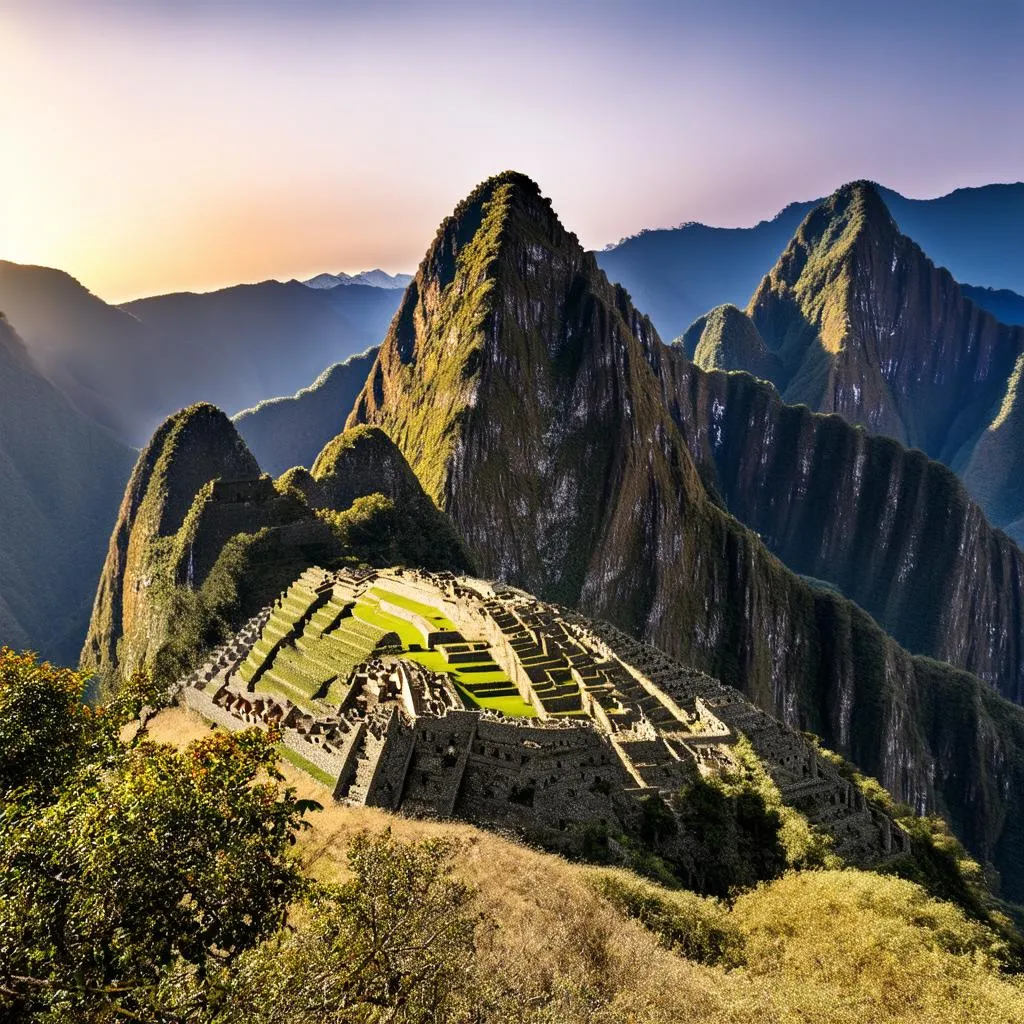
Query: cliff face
[
  {"x": 60, "y": 480},
  {"x": 866, "y": 326},
  {"x": 895, "y": 531},
  {"x": 529, "y": 397},
  {"x": 188, "y": 450}
]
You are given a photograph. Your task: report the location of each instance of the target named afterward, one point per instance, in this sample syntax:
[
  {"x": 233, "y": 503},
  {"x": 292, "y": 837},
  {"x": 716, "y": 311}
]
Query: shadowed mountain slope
[
  {"x": 60, "y": 479},
  {"x": 286, "y": 432},
  {"x": 892, "y": 529}
]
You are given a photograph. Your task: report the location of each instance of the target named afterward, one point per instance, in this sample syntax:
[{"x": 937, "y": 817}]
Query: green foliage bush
[
  {"x": 139, "y": 862},
  {"x": 695, "y": 927},
  {"x": 394, "y": 942}
]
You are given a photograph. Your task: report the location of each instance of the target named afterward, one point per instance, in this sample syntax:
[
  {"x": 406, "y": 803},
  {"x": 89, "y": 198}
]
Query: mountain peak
[
  {"x": 863, "y": 324},
  {"x": 855, "y": 212}
]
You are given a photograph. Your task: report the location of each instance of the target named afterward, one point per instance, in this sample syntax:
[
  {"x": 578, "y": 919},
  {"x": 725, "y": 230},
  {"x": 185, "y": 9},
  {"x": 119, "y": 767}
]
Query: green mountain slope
[
  {"x": 60, "y": 479},
  {"x": 526, "y": 393},
  {"x": 204, "y": 539}
]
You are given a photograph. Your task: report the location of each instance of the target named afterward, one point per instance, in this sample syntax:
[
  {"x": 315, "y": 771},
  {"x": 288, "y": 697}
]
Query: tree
[
  {"x": 43, "y": 724},
  {"x": 393, "y": 943},
  {"x": 147, "y": 864}
]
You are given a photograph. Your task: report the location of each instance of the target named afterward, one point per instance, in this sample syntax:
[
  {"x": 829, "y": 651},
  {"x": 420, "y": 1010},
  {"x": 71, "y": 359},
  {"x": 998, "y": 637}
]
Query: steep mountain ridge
[
  {"x": 855, "y": 319},
  {"x": 60, "y": 479},
  {"x": 892, "y": 529},
  {"x": 866, "y": 326},
  {"x": 526, "y": 393},
  {"x": 190, "y": 449},
  {"x": 677, "y": 274}
]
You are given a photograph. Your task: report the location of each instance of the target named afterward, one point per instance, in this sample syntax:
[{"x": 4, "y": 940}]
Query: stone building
[{"x": 369, "y": 677}]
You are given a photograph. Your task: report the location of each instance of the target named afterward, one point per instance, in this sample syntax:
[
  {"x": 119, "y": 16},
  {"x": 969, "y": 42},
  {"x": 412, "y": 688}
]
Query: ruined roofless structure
[{"x": 445, "y": 696}]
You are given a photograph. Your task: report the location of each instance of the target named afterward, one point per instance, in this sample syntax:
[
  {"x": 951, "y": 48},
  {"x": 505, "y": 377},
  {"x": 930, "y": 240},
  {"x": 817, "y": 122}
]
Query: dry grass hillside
[{"x": 563, "y": 942}]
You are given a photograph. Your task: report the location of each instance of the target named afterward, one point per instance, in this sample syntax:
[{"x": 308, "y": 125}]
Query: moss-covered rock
[{"x": 727, "y": 339}]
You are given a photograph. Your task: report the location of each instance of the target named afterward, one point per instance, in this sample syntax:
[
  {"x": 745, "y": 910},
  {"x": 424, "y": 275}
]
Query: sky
[{"x": 151, "y": 146}]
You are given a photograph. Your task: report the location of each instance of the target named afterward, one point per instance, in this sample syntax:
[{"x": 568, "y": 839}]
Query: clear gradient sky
[{"x": 157, "y": 146}]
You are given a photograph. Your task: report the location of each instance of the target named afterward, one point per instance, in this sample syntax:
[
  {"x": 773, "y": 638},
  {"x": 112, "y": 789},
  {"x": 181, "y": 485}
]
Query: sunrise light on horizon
[{"x": 155, "y": 147}]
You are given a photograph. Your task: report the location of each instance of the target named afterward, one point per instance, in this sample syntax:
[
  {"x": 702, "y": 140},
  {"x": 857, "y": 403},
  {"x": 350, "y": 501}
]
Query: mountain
[
  {"x": 190, "y": 449},
  {"x": 286, "y": 432},
  {"x": 891, "y": 529},
  {"x": 269, "y": 338},
  {"x": 527, "y": 394},
  {"x": 203, "y": 538},
  {"x": 866, "y": 326},
  {"x": 677, "y": 274},
  {"x": 129, "y": 367},
  {"x": 1006, "y": 306},
  {"x": 855, "y": 319},
  {"x": 725, "y": 338},
  {"x": 60, "y": 479},
  {"x": 372, "y": 278},
  {"x": 973, "y": 232}
]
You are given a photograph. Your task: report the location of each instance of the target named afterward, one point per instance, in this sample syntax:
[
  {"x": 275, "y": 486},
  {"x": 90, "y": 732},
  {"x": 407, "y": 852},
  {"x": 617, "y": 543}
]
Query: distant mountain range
[
  {"x": 677, "y": 274},
  {"x": 371, "y": 278},
  {"x": 291, "y": 431},
  {"x": 127, "y": 367}
]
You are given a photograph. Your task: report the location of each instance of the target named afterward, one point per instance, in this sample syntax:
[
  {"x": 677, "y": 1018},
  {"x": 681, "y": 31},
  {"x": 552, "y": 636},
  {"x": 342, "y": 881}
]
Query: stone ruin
[{"x": 617, "y": 720}]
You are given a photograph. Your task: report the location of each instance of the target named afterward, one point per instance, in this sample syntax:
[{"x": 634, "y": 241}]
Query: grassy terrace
[
  {"x": 481, "y": 682},
  {"x": 336, "y": 638}
]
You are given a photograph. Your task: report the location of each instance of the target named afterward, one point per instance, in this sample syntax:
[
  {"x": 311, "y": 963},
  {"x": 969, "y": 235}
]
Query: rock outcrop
[
  {"x": 188, "y": 451},
  {"x": 529, "y": 397}
]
